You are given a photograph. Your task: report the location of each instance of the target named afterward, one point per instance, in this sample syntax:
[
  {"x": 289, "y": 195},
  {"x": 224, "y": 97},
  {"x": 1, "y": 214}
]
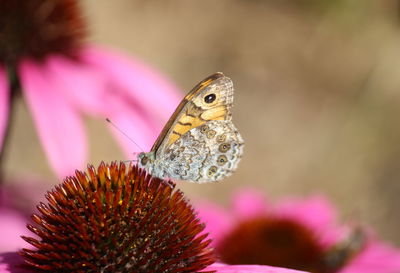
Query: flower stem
[{"x": 14, "y": 92}]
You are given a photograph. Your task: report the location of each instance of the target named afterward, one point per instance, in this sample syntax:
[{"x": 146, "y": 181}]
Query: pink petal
[
  {"x": 138, "y": 99},
  {"x": 222, "y": 268},
  {"x": 12, "y": 227},
  {"x": 377, "y": 257},
  {"x": 92, "y": 90},
  {"x": 134, "y": 124},
  {"x": 4, "y": 103},
  {"x": 218, "y": 222},
  {"x": 23, "y": 194},
  {"x": 316, "y": 212},
  {"x": 59, "y": 126},
  {"x": 146, "y": 87},
  {"x": 11, "y": 263},
  {"x": 249, "y": 203},
  {"x": 80, "y": 83}
]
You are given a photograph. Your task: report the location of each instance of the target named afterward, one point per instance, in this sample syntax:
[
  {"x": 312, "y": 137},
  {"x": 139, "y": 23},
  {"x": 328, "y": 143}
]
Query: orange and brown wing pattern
[{"x": 211, "y": 99}]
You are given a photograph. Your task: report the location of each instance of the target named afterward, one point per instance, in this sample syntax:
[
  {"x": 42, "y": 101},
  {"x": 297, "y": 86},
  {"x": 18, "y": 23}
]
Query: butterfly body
[{"x": 199, "y": 143}]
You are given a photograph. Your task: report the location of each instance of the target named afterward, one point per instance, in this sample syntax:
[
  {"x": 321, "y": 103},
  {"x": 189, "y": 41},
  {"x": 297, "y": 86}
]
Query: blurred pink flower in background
[
  {"x": 61, "y": 78},
  {"x": 99, "y": 83},
  {"x": 293, "y": 233}
]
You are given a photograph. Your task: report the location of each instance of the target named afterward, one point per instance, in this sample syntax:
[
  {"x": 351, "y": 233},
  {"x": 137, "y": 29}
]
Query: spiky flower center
[
  {"x": 287, "y": 243},
  {"x": 36, "y": 28},
  {"x": 277, "y": 242},
  {"x": 117, "y": 220}
]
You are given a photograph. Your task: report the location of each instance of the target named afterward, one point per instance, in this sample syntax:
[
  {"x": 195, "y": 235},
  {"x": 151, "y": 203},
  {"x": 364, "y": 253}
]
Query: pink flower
[
  {"x": 293, "y": 233},
  {"x": 115, "y": 217},
  {"x": 11, "y": 262},
  {"x": 13, "y": 225},
  {"x": 17, "y": 200},
  {"x": 63, "y": 79}
]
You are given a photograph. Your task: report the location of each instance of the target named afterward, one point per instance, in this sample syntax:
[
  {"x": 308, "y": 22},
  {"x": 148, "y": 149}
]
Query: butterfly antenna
[
  {"x": 122, "y": 132},
  {"x": 130, "y": 161}
]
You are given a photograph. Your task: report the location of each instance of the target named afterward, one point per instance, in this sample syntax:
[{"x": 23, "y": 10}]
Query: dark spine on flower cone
[
  {"x": 117, "y": 220},
  {"x": 38, "y": 28}
]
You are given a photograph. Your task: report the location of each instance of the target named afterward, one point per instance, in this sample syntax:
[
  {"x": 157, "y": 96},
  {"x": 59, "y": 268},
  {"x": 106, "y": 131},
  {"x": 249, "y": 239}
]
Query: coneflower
[
  {"x": 267, "y": 240},
  {"x": 287, "y": 243},
  {"x": 297, "y": 233},
  {"x": 117, "y": 219}
]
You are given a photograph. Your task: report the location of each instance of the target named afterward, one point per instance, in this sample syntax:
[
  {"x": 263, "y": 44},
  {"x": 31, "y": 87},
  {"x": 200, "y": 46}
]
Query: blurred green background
[{"x": 317, "y": 94}]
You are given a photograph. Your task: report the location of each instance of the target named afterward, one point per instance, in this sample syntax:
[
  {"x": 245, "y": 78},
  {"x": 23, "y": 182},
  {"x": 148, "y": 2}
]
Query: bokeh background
[{"x": 317, "y": 95}]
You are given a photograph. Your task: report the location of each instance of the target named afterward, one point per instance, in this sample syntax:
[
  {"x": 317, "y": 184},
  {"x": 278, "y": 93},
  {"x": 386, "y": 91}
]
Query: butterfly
[{"x": 199, "y": 143}]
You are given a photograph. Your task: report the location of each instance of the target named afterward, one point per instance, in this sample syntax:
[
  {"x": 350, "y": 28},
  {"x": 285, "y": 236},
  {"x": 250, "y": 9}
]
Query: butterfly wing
[
  {"x": 206, "y": 153},
  {"x": 211, "y": 99},
  {"x": 199, "y": 143}
]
